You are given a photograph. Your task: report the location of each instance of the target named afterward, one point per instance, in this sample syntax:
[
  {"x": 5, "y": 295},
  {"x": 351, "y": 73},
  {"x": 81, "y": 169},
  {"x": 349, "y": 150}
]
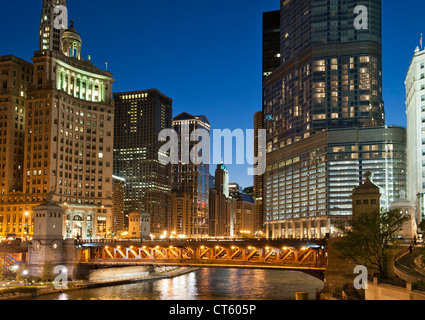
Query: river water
[{"x": 207, "y": 284}]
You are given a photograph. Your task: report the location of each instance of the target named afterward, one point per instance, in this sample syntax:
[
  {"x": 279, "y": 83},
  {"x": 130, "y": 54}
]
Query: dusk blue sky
[{"x": 205, "y": 55}]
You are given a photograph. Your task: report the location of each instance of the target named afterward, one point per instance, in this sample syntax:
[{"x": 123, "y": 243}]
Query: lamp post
[{"x": 26, "y": 228}]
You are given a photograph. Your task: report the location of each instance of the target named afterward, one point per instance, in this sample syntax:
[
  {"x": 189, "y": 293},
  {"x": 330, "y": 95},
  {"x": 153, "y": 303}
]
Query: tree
[
  {"x": 47, "y": 274},
  {"x": 371, "y": 238}
]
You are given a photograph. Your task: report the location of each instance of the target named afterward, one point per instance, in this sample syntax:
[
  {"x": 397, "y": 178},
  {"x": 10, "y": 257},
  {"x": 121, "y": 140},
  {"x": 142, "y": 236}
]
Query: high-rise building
[
  {"x": 258, "y": 179},
  {"x": 182, "y": 212},
  {"x": 222, "y": 180},
  {"x": 120, "y": 223},
  {"x": 309, "y": 185},
  {"x": 271, "y": 42},
  {"x": 139, "y": 118},
  {"x": 190, "y": 178},
  {"x": 68, "y": 136},
  {"x": 15, "y": 79},
  {"x": 415, "y": 103},
  {"x": 330, "y": 75},
  {"x": 222, "y": 208},
  {"x": 329, "y": 80}
]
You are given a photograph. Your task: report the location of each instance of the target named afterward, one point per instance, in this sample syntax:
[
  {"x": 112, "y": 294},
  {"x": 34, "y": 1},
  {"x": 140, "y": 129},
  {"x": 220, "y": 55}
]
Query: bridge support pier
[
  {"x": 48, "y": 252},
  {"x": 339, "y": 275}
]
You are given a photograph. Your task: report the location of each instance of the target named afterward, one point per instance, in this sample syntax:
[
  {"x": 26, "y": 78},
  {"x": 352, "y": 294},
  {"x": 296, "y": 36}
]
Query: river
[{"x": 206, "y": 284}]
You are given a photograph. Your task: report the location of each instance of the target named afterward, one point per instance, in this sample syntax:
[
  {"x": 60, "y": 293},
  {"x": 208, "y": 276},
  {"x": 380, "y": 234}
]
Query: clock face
[
  {"x": 37, "y": 246},
  {"x": 55, "y": 246}
]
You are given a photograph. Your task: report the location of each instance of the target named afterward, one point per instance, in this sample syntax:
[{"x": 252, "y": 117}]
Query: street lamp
[{"x": 26, "y": 228}]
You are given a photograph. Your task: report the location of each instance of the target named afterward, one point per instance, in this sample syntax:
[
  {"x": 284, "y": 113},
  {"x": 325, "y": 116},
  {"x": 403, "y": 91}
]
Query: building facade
[
  {"x": 309, "y": 186},
  {"x": 258, "y": 179},
  {"x": 16, "y": 76},
  {"x": 329, "y": 79},
  {"x": 120, "y": 221},
  {"x": 190, "y": 178},
  {"x": 415, "y": 110},
  {"x": 271, "y": 42},
  {"x": 222, "y": 208},
  {"x": 182, "y": 212},
  {"x": 68, "y": 136},
  {"x": 139, "y": 118}
]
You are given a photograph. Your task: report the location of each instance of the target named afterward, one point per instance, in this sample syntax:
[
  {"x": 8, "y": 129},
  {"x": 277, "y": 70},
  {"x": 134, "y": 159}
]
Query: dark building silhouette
[{"x": 139, "y": 118}]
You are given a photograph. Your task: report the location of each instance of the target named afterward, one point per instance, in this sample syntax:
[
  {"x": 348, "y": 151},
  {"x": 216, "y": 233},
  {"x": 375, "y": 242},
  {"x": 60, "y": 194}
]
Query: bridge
[{"x": 305, "y": 256}]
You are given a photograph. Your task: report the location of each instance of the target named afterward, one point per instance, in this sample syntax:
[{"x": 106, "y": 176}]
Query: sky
[{"x": 206, "y": 55}]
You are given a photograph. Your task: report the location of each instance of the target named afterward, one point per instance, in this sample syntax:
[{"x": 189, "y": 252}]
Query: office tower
[
  {"x": 15, "y": 78},
  {"x": 271, "y": 41},
  {"x": 182, "y": 204},
  {"x": 244, "y": 221},
  {"x": 139, "y": 118},
  {"x": 222, "y": 208},
  {"x": 311, "y": 183},
  {"x": 329, "y": 81},
  {"x": 68, "y": 139},
  {"x": 222, "y": 180},
  {"x": 415, "y": 110},
  {"x": 190, "y": 178},
  {"x": 258, "y": 179},
  {"x": 120, "y": 222},
  {"x": 50, "y": 36},
  {"x": 330, "y": 75}
]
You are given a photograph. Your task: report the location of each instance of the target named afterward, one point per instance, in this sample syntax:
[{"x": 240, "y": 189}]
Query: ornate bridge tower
[{"x": 48, "y": 249}]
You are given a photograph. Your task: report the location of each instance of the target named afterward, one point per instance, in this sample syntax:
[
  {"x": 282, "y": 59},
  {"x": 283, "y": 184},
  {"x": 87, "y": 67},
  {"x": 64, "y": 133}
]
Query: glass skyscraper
[
  {"x": 325, "y": 119},
  {"x": 192, "y": 179},
  {"x": 139, "y": 118}
]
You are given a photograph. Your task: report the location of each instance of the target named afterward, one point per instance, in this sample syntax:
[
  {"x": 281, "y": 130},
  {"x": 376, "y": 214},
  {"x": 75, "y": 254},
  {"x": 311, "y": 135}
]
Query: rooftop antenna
[
  {"x": 421, "y": 42},
  {"x": 106, "y": 64}
]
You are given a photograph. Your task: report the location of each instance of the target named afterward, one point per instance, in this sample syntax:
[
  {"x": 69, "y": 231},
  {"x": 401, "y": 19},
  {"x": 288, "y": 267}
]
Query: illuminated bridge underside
[{"x": 311, "y": 260}]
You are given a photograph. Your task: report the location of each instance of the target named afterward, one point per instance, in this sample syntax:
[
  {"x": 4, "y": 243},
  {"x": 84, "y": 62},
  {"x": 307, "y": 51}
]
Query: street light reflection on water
[{"x": 207, "y": 284}]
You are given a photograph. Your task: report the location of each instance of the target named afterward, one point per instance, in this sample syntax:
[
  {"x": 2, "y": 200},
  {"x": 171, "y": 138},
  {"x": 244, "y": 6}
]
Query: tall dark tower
[
  {"x": 139, "y": 118},
  {"x": 189, "y": 178},
  {"x": 50, "y": 37},
  {"x": 271, "y": 41},
  {"x": 328, "y": 83},
  {"x": 330, "y": 72}
]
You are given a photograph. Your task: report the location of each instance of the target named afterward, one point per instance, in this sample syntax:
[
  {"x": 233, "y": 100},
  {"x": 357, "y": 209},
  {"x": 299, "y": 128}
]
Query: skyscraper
[
  {"x": 324, "y": 117},
  {"x": 271, "y": 42},
  {"x": 139, "y": 118},
  {"x": 258, "y": 179},
  {"x": 415, "y": 110},
  {"x": 330, "y": 74},
  {"x": 68, "y": 135},
  {"x": 189, "y": 178},
  {"x": 222, "y": 208},
  {"x": 119, "y": 224},
  {"x": 15, "y": 79}
]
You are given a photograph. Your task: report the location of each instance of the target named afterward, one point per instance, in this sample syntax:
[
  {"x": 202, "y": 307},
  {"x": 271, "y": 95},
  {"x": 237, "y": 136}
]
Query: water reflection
[
  {"x": 207, "y": 284},
  {"x": 179, "y": 288}
]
